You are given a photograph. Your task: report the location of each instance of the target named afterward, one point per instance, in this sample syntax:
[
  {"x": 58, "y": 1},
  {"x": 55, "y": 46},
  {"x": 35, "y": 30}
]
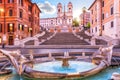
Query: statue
[
  {"x": 104, "y": 53},
  {"x": 19, "y": 62}
]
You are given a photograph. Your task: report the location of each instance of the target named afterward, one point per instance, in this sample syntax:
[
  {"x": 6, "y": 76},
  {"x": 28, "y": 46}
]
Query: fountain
[
  {"x": 62, "y": 68},
  {"x": 65, "y": 59}
]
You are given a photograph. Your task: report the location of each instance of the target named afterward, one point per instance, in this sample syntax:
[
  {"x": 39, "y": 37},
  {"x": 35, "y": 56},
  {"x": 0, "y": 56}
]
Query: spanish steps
[{"x": 65, "y": 38}]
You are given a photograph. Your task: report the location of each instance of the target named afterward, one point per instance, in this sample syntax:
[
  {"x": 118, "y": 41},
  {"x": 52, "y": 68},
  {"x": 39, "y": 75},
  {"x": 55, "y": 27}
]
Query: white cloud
[{"x": 47, "y": 7}]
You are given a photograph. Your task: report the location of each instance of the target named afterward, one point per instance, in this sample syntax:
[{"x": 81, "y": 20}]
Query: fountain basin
[
  {"x": 54, "y": 70},
  {"x": 56, "y": 67}
]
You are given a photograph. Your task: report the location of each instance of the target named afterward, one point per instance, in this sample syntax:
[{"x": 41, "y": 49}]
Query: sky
[{"x": 49, "y": 9}]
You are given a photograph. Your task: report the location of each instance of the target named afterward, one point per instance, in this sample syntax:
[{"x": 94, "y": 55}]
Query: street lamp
[{"x": 84, "y": 10}]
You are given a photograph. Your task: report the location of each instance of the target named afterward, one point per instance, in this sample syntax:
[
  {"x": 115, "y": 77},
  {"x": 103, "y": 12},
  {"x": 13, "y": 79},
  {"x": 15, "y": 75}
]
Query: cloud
[{"x": 47, "y": 7}]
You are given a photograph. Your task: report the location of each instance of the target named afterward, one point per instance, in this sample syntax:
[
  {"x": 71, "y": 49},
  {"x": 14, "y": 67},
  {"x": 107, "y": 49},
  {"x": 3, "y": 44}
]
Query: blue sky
[{"x": 48, "y": 7}]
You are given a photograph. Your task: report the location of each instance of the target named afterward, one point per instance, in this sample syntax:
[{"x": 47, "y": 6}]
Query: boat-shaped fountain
[{"x": 61, "y": 67}]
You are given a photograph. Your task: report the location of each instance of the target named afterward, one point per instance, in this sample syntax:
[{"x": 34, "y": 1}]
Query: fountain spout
[
  {"x": 66, "y": 54},
  {"x": 65, "y": 59}
]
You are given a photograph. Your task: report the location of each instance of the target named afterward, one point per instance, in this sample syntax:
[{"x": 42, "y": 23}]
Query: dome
[
  {"x": 70, "y": 4},
  {"x": 59, "y": 5}
]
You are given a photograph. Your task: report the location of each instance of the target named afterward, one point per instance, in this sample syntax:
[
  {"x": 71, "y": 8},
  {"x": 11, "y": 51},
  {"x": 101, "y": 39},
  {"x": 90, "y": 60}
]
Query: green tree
[
  {"x": 75, "y": 23},
  {"x": 88, "y": 25}
]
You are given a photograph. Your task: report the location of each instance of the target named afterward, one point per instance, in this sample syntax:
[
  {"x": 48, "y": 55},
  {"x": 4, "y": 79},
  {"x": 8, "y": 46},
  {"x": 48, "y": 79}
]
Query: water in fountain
[{"x": 55, "y": 67}]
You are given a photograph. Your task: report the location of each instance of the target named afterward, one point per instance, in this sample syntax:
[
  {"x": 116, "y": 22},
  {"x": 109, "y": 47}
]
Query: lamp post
[{"x": 84, "y": 10}]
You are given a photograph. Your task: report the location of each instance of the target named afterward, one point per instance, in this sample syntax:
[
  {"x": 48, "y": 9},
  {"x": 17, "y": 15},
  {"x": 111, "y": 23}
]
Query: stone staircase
[
  {"x": 40, "y": 38},
  {"x": 82, "y": 34},
  {"x": 48, "y": 34},
  {"x": 65, "y": 38},
  {"x": 98, "y": 41}
]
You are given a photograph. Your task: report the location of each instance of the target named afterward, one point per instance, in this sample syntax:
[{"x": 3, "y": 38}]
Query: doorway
[{"x": 11, "y": 40}]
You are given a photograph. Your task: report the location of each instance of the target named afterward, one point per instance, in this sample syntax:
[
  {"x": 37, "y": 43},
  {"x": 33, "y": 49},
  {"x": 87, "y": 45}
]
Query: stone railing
[
  {"x": 87, "y": 33},
  {"x": 114, "y": 42},
  {"x": 22, "y": 42}
]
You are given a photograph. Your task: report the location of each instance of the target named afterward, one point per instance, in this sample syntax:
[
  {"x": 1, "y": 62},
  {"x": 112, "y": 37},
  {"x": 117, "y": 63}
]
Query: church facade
[{"x": 64, "y": 18}]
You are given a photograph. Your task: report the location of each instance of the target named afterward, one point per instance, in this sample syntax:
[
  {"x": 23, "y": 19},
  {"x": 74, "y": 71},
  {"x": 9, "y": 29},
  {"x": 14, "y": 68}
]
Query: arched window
[
  {"x": 69, "y": 8},
  {"x": 10, "y": 12},
  {"x": 58, "y": 10}
]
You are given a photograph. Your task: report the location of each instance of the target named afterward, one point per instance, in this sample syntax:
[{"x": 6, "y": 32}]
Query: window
[
  {"x": 103, "y": 16},
  {"x": 0, "y": 40},
  {"x": 112, "y": 24},
  {"x": 38, "y": 14},
  {"x": 95, "y": 7},
  {"x": 111, "y": 10},
  {"x": 21, "y": 27},
  {"x": 29, "y": 8},
  {"x": 58, "y": 10},
  {"x": 29, "y": 19},
  {"x": 38, "y": 22},
  {"x": 92, "y": 21},
  {"x": 103, "y": 27},
  {"x": 96, "y": 20},
  {"x": 20, "y": 14},
  {"x": 92, "y": 30},
  {"x": 10, "y": 1},
  {"x": 10, "y": 12},
  {"x": 10, "y": 27},
  {"x": 102, "y": 3},
  {"x": 69, "y": 20},
  {"x": 0, "y": 1},
  {"x": 51, "y": 21},
  {"x": 0, "y": 27},
  {"x": 92, "y": 11},
  {"x": 21, "y": 2},
  {"x": 96, "y": 29},
  {"x": 70, "y": 9},
  {"x": 35, "y": 11}
]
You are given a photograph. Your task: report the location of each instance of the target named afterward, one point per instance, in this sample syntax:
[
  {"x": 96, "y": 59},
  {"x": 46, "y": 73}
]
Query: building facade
[
  {"x": 84, "y": 18},
  {"x": 64, "y": 18},
  {"x": 18, "y": 18},
  {"x": 105, "y": 17}
]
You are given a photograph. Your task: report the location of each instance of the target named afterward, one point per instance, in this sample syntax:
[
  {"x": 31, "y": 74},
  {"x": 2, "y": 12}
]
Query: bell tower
[
  {"x": 70, "y": 7},
  {"x": 59, "y": 9},
  {"x": 70, "y": 13}
]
